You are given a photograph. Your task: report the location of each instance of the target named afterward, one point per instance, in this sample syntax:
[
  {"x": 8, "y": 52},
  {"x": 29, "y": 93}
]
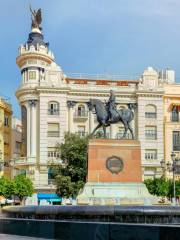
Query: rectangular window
[
  {"x": 53, "y": 108},
  {"x": 176, "y": 140},
  {"x": 6, "y": 121},
  {"x": 175, "y": 114},
  {"x": 151, "y": 132},
  {"x": 53, "y": 129},
  {"x": 81, "y": 131},
  {"x": 151, "y": 154},
  {"x": 18, "y": 146},
  {"x": 32, "y": 74}
]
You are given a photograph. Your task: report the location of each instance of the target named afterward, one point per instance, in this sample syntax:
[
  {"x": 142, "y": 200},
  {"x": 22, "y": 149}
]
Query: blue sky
[{"x": 93, "y": 36}]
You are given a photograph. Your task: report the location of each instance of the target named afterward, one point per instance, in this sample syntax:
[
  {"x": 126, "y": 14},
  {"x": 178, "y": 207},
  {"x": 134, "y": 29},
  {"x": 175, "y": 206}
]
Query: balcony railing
[
  {"x": 151, "y": 156},
  {"x": 53, "y": 133},
  {"x": 150, "y": 115},
  {"x": 80, "y": 114},
  {"x": 24, "y": 161},
  {"x": 53, "y": 111}
]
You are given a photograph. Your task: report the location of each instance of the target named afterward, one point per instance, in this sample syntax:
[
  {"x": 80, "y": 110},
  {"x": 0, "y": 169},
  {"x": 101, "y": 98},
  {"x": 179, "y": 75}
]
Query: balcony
[
  {"x": 151, "y": 157},
  {"x": 80, "y": 115},
  {"x": 22, "y": 161},
  {"x": 53, "y": 112},
  {"x": 53, "y": 133}
]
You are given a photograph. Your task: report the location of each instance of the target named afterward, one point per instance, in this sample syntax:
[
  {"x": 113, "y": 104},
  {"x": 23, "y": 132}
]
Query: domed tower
[{"x": 37, "y": 66}]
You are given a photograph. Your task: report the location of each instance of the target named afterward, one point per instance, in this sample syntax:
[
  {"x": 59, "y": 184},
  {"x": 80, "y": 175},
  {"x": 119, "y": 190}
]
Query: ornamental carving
[
  {"x": 32, "y": 103},
  {"x": 114, "y": 164},
  {"x": 71, "y": 104}
]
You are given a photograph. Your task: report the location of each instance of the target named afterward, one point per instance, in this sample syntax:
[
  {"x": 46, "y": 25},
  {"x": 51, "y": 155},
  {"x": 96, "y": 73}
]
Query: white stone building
[
  {"x": 16, "y": 138},
  {"x": 53, "y": 104}
]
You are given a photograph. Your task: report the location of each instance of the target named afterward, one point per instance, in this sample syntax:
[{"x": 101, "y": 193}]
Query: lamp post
[
  {"x": 174, "y": 167},
  {"x": 1, "y": 162}
]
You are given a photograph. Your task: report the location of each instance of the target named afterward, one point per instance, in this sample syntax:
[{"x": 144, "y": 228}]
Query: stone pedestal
[
  {"x": 114, "y": 174},
  {"x": 126, "y": 151}
]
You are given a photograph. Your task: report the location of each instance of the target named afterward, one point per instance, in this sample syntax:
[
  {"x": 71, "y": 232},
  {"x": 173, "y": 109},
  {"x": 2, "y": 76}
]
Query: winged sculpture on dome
[{"x": 36, "y": 18}]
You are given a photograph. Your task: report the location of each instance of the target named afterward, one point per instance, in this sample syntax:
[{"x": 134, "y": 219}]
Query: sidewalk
[{"x": 15, "y": 237}]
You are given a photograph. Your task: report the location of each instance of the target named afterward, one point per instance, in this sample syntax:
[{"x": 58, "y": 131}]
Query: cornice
[
  {"x": 26, "y": 91},
  {"x": 26, "y": 56},
  {"x": 86, "y": 92},
  {"x": 150, "y": 94},
  {"x": 174, "y": 96}
]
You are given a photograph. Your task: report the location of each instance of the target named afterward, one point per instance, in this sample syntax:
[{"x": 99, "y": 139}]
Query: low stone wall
[{"x": 78, "y": 230}]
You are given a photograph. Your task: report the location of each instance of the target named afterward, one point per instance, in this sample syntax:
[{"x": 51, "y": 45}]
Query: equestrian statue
[{"x": 108, "y": 114}]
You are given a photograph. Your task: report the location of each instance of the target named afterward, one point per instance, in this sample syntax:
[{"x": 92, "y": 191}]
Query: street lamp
[
  {"x": 173, "y": 167},
  {"x": 1, "y": 163}
]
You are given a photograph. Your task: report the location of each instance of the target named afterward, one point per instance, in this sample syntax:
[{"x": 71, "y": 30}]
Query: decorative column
[
  {"x": 91, "y": 122},
  {"x": 33, "y": 130},
  {"x": 26, "y": 75},
  {"x": 112, "y": 131},
  {"x": 28, "y": 130},
  {"x": 70, "y": 105}
]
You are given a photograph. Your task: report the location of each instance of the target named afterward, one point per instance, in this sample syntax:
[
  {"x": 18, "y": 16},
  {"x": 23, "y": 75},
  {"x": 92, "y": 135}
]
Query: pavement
[{"x": 15, "y": 237}]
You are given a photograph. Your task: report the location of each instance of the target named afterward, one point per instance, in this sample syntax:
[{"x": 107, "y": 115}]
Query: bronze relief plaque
[{"x": 114, "y": 164}]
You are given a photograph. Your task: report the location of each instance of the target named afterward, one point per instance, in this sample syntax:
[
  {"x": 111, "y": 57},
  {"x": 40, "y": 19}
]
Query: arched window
[
  {"x": 150, "y": 111},
  {"x": 81, "y": 110},
  {"x": 175, "y": 114},
  {"x": 53, "y": 108}
]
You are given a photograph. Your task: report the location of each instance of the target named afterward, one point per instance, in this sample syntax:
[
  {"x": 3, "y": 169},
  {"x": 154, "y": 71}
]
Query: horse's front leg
[
  {"x": 131, "y": 130},
  {"x": 98, "y": 126},
  {"x": 104, "y": 130},
  {"x": 125, "y": 129}
]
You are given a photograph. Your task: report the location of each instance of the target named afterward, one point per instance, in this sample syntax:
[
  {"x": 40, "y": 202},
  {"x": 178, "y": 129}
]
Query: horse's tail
[{"x": 131, "y": 116}]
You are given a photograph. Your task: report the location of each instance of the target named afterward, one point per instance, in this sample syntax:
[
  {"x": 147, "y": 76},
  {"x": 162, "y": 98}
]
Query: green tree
[
  {"x": 71, "y": 174},
  {"x": 23, "y": 187},
  {"x": 6, "y": 187},
  {"x": 158, "y": 186}
]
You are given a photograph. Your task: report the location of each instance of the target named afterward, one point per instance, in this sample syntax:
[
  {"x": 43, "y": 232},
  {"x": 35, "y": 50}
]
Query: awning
[
  {"x": 172, "y": 105},
  {"x": 53, "y": 197}
]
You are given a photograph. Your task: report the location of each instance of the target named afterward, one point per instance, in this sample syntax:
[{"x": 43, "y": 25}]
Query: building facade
[
  {"x": 5, "y": 137},
  {"x": 53, "y": 104},
  {"x": 16, "y": 138},
  {"x": 171, "y": 123}
]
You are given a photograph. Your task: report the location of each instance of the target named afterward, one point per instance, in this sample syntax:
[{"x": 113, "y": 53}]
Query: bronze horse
[{"x": 103, "y": 113}]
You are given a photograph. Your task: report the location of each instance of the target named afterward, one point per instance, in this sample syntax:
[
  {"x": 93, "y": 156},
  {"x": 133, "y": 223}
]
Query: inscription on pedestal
[{"x": 114, "y": 164}]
